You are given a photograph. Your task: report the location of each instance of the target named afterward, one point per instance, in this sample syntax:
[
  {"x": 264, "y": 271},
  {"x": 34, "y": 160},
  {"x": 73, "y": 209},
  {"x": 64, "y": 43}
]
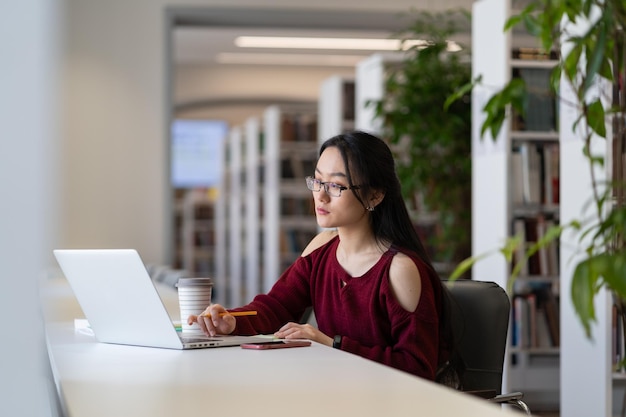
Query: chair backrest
[{"x": 479, "y": 313}]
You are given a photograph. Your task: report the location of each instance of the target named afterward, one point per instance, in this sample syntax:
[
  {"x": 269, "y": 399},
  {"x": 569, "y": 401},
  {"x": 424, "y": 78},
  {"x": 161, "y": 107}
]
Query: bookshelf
[
  {"x": 221, "y": 235},
  {"x": 522, "y": 165},
  {"x": 336, "y": 107},
  {"x": 264, "y": 213},
  {"x": 587, "y": 385},
  {"x": 237, "y": 218},
  {"x": 371, "y": 73},
  {"x": 253, "y": 214},
  {"x": 234, "y": 258},
  {"x": 198, "y": 232},
  {"x": 535, "y": 185},
  {"x": 290, "y": 153}
]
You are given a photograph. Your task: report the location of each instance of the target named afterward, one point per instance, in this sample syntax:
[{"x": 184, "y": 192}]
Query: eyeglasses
[{"x": 332, "y": 189}]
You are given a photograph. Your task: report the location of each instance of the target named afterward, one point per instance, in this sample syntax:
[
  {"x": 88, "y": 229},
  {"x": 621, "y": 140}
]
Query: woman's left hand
[{"x": 303, "y": 331}]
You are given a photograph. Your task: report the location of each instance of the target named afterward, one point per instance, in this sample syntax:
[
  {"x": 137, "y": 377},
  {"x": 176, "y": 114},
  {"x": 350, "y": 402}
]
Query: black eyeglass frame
[{"x": 325, "y": 184}]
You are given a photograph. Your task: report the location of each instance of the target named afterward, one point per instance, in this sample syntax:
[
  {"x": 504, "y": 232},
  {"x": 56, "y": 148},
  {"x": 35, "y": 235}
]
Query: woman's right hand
[{"x": 214, "y": 320}]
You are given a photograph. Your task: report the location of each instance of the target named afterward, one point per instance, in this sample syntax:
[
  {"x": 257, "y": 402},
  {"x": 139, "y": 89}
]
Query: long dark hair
[{"x": 370, "y": 166}]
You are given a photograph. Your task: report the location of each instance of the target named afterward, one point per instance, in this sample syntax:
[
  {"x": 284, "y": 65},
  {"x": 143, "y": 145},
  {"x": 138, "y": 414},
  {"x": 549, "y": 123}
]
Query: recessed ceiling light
[
  {"x": 366, "y": 44},
  {"x": 317, "y": 43}
]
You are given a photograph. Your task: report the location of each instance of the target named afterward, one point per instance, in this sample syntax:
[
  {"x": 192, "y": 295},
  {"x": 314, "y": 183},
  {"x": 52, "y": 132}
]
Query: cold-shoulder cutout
[
  {"x": 405, "y": 281},
  {"x": 319, "y": 240}
]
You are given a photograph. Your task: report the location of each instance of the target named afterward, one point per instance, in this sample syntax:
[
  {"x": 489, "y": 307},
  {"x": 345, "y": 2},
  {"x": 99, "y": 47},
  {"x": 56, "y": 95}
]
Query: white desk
[{"x": 97, "y": 379}]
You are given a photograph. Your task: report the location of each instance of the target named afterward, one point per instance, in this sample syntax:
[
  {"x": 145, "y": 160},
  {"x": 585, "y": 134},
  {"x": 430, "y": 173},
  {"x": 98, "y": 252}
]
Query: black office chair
[{"x": 479, "y": 314}]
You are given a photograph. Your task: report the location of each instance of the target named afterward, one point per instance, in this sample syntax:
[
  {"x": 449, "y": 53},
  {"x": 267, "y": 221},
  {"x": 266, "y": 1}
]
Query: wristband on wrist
[{"x": 337, "y": 342}]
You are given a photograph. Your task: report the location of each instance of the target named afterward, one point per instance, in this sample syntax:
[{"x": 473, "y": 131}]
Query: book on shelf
[
  {"x": 525, "y": 174},
  {"x": 618, "y": 345},
  {"x": 550, "y": 174},
  {"x": 535, "y": 318},
  {"x": 545, "y": 261},
  {"x": 535, "y": 174},
  {"x": 299, "y": 127},
  {"x": 519, "y": 230},
  {"x": 533, "y": 54},
  {"x": 348, "y": 100}
]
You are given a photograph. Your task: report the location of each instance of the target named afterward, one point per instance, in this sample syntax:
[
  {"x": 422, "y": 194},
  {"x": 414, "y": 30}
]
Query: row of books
[
  {"x": 297, "y": 206},
  {"x": 299, "y": 127},
  {"x": 544, "y": 262},
  {"x": 535, "y": 319},
  {"x": 535, "y": 173},
  {"x": 297, "y": 166},
  {"x": 618, "y": 347},
  {"x": 348, "y": 100}
]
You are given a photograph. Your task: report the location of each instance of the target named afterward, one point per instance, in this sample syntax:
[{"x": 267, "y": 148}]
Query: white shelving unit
[
  {"x": 198, "y": 233},
  {"x": 238, "y": 218},
  {"x": 290, "y": 155},
  {"x": 336, "y": 107},
  {"x": 370, "y": 85},
  {"x": 515, "y": 190},
  {"x": 253, "y": 219},
  {"x": 579, "y": 373},
  {"x": 587, "y": 385},
  {"x": 261, "y": 213},
  {"x": 221, "y": 240},
  {"x": 235, "y": 218}
]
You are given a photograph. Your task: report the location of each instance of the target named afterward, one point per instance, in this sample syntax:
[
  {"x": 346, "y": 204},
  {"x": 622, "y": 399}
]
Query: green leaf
[
  {"x": 465, "y": 265},
  {"x": 514, "y": 94},
  {"x": 570, "y": 62},
  {"x": 459, "y": 93},
  {"x": 614, "y": 275},
  {"x": 582, "y": 291},
  {"x": 595, "y": 56},
  {"x": 596, "y": 117}
]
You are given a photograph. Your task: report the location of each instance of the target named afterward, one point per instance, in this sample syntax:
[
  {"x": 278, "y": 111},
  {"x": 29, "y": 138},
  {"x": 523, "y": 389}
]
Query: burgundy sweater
[{"x": 364, "y": 311}]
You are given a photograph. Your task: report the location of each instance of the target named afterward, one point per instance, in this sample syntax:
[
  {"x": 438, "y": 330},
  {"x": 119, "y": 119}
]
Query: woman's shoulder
[
  {"x": 319, "y": 240},
  {"x": 405, "y": 280}
]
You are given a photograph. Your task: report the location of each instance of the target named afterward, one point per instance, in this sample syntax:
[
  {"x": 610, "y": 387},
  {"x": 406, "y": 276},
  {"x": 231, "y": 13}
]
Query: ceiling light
[
  {"x": 317, "y": 43},
  {"x": 368, "y": 44},
  {"x": 289, "y": 59}
]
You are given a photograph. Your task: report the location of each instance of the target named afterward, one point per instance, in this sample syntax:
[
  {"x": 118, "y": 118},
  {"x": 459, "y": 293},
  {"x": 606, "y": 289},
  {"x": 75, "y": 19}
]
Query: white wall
[
  {"x": 115, "y": 129},
  {"x": 195, "y": 83}
]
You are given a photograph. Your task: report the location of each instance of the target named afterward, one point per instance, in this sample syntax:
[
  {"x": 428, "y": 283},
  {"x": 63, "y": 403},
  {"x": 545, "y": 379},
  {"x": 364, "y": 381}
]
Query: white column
[
  {"x": 490, "y": 199},
  {"x": 29, "y": 156},
  {"x": 490, "y": 203}
]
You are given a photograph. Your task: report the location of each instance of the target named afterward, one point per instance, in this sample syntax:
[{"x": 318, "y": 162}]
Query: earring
[{"x": 370, "y": 208}]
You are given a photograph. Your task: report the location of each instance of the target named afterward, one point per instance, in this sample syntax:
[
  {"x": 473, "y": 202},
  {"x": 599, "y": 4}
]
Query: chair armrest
[{"x": 513, "y": 398}]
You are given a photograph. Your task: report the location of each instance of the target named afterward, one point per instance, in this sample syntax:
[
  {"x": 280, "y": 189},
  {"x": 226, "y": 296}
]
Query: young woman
[{"x": 369, "y": 280}]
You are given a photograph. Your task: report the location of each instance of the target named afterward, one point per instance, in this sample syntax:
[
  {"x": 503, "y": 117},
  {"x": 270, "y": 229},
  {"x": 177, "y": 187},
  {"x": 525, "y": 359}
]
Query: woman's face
[{"x": 345, "y": 210}]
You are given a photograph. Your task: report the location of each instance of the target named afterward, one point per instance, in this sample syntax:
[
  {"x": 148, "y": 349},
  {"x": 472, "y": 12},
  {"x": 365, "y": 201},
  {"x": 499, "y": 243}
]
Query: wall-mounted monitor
[{"x": 197, "y": 153}]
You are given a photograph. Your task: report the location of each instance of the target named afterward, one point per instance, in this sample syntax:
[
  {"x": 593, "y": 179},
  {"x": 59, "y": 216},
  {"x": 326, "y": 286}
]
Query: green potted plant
[
  {"x": 432, "y": 144},
  {"x": 597, "y": 55}
]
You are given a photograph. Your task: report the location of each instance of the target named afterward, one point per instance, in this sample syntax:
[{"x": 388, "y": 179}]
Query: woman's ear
[{"x": 376, "y": 197}]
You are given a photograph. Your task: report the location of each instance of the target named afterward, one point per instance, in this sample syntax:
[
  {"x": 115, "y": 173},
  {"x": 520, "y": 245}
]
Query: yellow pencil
[{"x": 234, "y": 313}]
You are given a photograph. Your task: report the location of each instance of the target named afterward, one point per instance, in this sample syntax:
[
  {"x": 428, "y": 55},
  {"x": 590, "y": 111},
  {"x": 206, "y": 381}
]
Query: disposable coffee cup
[{"x": 194, "y": 296}]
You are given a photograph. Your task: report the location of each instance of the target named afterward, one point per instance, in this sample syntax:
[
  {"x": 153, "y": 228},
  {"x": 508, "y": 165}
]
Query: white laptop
[{"x": 122, "y": 305}]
